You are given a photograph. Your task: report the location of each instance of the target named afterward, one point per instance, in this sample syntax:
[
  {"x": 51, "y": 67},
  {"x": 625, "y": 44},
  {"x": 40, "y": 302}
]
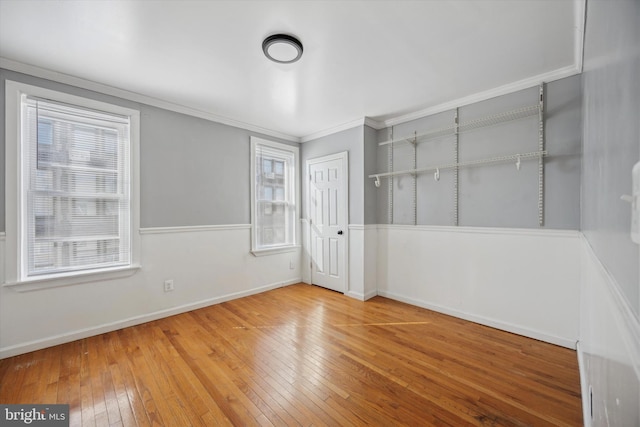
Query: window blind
[
  {"x": 75, "y": 189},
  {"x": 274, "y": 197}
]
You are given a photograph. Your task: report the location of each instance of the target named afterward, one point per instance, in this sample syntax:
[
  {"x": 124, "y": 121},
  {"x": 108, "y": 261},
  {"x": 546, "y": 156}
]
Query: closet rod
[
  {"x": 512, "y": 157},
  {"x": 496, "y": 119}
]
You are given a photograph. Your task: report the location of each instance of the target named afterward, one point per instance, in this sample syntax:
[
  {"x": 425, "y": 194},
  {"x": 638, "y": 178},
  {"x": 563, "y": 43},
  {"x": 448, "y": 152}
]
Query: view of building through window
[
  {"x": 77, "y": 191},
  {"x": 274, "y": 203}
]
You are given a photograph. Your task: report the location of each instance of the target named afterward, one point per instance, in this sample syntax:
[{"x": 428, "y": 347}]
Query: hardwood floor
[{"x": 302, "y": 355}]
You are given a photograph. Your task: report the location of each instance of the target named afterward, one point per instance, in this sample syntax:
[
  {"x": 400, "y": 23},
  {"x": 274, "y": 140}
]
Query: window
[
  {"x": 274, "y": 196},
  {"x": 72, "y": 182}
]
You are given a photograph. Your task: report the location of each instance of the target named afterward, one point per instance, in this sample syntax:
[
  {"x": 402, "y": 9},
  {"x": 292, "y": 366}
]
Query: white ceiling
[{"x": 385, "y": 60}]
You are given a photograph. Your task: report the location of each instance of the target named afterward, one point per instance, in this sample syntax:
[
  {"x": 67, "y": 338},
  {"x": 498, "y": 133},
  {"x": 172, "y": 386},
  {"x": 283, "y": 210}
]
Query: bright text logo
[{"x": 36, "y": 415}]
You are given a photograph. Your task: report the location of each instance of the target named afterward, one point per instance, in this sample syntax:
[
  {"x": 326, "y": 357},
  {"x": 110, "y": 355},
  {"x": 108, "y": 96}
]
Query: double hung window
[
  {"x": 74, "y": 193},
  {"x": 274, "y": 195}
]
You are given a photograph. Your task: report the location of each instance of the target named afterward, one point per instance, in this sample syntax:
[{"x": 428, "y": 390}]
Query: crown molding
[
  {"x": 55, "y": 76},
  {"x": 330, "y": 131},
  {"x": 570, "y": 70},
  {"x": 365, "y": 121},
  {"x": 557, "y": 74},
  {"x": 372, "y": 123}
]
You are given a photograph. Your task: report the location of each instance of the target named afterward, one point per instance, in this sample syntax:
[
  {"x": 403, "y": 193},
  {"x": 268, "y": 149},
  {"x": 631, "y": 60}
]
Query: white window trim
[
  {"x": 13, "y": 93},
  {"x": 255, "y": 141}
]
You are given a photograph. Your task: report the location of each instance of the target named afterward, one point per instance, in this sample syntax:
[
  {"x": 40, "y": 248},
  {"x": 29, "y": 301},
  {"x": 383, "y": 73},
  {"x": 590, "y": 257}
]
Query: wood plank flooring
[{"x": 302, "y": 355}]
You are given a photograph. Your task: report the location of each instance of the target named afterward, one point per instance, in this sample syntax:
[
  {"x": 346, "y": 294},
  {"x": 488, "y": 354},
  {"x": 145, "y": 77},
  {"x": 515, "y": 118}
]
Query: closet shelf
[
  {"x": 500, "y": 159},
  {"x": 453, "y": 132},
  {"x": 493, "y": 120}
]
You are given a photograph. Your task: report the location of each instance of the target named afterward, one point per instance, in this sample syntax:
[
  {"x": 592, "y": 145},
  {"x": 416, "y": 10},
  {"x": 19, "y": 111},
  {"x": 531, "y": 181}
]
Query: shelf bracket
[
  {"x": 415, "y": 177},
  {"x": 456, "y": 169},
  {"x": 541, "y": 148},
  {"x": 390, "y": 181},
  {"x": 455, "y": 130}
]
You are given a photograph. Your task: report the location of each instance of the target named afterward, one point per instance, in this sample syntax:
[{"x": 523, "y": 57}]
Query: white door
[{"x": 328, "y": 209}]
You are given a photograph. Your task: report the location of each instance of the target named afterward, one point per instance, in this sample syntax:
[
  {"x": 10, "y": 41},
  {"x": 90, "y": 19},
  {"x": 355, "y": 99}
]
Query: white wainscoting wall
[
  {"x": 609, "y": 348},
  {"x": 305, "y": 257},
  {"x": 363, "y": 242},
  {"x": 523, "y": 281},
  {"x": 209, "y": 265}
]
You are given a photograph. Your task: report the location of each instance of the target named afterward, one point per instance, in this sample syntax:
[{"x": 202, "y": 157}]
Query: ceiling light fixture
[{"x": 282, "y": 48}]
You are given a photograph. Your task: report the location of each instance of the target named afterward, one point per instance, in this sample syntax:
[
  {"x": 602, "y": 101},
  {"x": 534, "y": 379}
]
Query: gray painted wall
[
  {"x": 192, "y": 171},
  {"x": 611, "y": 85},
  {"x": 370, "y": 167},
  {"x": 492, "y": 195},
  {"x": 382, "y": 193},
  {"x": 350, "y": 140}
]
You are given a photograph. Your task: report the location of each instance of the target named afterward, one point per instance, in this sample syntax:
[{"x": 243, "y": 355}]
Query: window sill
[
  {"x": 76, "y": 279},
  {"x": 273, "y": 251}
]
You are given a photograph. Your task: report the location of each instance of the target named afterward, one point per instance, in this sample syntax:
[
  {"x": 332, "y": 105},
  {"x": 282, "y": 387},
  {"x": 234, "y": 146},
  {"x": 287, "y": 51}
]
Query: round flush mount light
[{"x": 282, "y": 48}]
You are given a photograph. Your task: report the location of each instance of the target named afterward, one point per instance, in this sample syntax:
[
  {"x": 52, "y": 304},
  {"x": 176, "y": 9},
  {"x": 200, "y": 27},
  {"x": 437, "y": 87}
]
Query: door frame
[{"x": 344, "y": 157}]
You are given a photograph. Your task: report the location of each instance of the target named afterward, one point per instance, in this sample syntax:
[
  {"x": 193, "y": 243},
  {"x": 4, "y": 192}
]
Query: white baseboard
[
  {"x": 505, "y": 326},
  {"x": 361, "y": 296},
  {"x": 523, "y": 281},
  {"x": 370, "y": 294},
  {"x": 355, "y": 295},
  {"x": 132, "y": 321}
]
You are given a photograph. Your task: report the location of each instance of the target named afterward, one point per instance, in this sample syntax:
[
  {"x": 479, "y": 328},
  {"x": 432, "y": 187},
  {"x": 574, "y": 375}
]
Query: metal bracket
[
  {"x": 415, "y": 178},
  {"x": 541, "y": 148},
  {"x": 456, "y": 169},
  {"x": 456, "y": 130},
  {"x": 390, "y": 180}
]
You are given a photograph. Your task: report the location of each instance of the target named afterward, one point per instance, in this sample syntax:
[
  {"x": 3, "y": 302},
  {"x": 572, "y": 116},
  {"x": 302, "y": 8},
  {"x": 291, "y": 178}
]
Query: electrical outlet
[
  {"x": 168, "y": 285},
  {"x": 291, "y": 266}
]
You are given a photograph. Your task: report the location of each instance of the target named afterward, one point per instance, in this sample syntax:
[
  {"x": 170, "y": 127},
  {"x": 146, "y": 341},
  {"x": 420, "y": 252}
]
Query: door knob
[{"x": 340, "y": 232}]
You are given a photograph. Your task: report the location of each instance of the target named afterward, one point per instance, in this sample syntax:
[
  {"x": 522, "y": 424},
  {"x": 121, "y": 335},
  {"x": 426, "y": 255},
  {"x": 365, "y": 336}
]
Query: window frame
[
  {"x": 260, "y": 251},
  {"x": 14, "y": 276}
]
